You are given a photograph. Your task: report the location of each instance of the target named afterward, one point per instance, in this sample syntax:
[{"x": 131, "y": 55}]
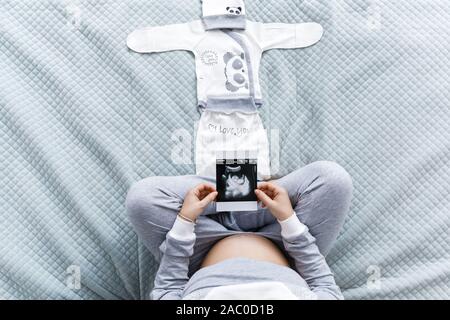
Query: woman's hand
[
  {"x": 197, "y": 199},
  {"x": 276, "y": 199}
]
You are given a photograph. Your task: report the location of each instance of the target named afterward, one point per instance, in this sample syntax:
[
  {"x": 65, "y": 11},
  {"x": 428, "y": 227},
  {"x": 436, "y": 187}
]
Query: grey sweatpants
[{"x": 320, "y": 194}]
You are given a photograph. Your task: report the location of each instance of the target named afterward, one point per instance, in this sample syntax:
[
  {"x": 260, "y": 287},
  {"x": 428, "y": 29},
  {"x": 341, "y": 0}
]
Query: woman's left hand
[
  {"x": 276, "y": 199},
  {"x": 197, "y": 199}
]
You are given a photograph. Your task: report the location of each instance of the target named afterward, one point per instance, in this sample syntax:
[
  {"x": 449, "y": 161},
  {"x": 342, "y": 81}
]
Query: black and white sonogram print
[{"x": 236, "y": 180}]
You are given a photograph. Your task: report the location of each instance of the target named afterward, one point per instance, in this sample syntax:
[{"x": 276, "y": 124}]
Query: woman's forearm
[
  {"x": 309, "y": 262},
  {"x": 172, "y": 274}
]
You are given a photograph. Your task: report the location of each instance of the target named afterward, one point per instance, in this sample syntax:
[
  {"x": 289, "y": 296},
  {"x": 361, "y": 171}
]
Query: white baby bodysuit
[
  {"x": 227, "y": 61},
  {"x": 228, "y": 87}
]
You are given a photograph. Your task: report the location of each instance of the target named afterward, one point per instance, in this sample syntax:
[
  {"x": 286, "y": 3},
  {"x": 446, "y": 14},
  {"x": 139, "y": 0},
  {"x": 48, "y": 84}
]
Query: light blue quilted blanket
[{"x": 82, "y": 117}]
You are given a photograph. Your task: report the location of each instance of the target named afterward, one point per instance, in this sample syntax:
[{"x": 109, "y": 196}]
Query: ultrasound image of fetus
[{"x": 237, "y": 184}]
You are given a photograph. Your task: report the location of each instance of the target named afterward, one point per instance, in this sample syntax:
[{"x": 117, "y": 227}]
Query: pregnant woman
[{"x": 276, "y": 252}]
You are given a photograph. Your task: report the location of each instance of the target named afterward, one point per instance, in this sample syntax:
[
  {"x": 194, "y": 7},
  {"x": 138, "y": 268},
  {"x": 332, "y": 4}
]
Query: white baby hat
[{"x": 223, "y": 14}]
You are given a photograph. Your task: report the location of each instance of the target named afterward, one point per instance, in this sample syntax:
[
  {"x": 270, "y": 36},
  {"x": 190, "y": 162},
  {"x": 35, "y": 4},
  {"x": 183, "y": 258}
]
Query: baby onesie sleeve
[
  {"x": 172, "y": 37},
  {"x": 286, "y": 36}
]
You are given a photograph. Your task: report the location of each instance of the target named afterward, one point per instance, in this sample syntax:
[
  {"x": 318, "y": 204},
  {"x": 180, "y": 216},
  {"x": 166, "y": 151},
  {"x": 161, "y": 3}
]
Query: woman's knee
[
  {"x": 141, "y": 199},
  {"x": 335, "y": 178}
]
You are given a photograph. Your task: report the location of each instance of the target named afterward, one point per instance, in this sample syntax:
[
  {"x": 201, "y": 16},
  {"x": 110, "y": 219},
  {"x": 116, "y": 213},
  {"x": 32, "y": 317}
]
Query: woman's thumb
[
  {"x": 209, "y": 198},
  {"x": 265, "y": 199}
]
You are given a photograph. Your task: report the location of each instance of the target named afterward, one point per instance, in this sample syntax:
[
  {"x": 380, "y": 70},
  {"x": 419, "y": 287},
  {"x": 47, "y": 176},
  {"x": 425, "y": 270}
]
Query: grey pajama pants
[{"x": 320, "y": 194}]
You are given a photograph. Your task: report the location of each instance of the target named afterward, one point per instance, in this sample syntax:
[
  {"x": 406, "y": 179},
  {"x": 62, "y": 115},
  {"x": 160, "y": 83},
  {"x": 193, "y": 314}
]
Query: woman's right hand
[
  {"x": 276, "y": 199},
  {"x": 196, "y": 200}
]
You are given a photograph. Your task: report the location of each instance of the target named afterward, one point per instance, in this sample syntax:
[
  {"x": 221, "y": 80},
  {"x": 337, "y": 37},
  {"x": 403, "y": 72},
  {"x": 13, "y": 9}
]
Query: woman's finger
[
  {"x": 267, "y": 186},
  {"x": 273, "y": 190},
  {"x": 209, "y": 198},
  {"x": 203, "y": 188},
  {"x": 203, "y": 194},
  {"x": 268, "y": 192},
  {"x": 264, "y": 198}
]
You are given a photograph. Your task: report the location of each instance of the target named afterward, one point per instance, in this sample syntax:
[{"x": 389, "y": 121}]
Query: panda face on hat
[
  {"x": 224, "y": 14},
  {"x": 234, "y": 10}
]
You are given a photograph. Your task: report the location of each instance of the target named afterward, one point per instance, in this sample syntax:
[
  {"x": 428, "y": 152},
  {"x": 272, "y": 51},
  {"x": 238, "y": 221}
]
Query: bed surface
[{"x": 82, "y": 118}]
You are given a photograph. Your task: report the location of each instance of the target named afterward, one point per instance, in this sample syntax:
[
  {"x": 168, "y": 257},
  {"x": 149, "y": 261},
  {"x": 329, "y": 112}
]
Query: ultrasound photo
[{"x": 236, "y": 184}]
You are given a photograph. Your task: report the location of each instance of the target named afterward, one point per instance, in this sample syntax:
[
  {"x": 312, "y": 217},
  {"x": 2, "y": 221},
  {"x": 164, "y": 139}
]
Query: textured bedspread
[{"x": 82, "y": 117}]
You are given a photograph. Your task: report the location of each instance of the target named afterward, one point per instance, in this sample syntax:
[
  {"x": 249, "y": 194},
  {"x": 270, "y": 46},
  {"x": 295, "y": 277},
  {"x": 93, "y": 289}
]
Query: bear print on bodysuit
[{"x": 235, "y": 72}]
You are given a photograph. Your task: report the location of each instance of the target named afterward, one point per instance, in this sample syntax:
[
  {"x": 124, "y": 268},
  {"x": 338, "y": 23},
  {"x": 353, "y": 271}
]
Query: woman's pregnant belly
[{"x": 245, "y": 245}]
